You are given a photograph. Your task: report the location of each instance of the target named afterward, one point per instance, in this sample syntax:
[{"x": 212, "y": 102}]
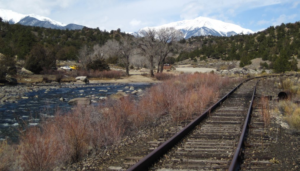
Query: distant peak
[
  {"x": 42, "y": 18},
  {"x": 202, "y": 26},
  {"x": 35, "y": 20},
  {"x": 9, "y": 15}
]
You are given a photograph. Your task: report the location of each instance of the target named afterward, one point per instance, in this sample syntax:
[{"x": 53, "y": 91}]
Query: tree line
[
  {"x": 93, "y": 48},
  {"x": 279, "y": 45},
  {"x": 153, "y": 47},
  {"x": 41, "y": 47}
]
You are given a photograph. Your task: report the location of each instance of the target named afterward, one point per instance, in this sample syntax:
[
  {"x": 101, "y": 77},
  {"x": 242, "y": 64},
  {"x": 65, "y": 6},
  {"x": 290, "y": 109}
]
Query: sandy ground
[
  {"x": 193, "y": 70},
  {"x": 130, "y": 79},
  {"x": 136, "y": 77}
]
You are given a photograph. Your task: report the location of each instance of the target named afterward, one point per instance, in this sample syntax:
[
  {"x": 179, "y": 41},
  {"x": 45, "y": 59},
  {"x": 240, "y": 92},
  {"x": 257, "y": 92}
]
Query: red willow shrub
[
  {"x": 163, "y": 76},
  {"x": 69, "y": 137},
  {"x": 97, "y": 74}
]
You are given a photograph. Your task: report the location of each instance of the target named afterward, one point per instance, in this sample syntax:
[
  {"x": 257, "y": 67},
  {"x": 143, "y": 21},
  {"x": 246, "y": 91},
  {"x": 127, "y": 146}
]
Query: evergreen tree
[
  {"x": 40, "y": 59},
  {"x": 282, "y": 63}
]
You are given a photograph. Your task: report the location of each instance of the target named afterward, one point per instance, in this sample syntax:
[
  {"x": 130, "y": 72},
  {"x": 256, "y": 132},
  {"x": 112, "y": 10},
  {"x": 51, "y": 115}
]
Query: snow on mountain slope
[
  {"x": 11, "y": 16},
  {"x": 41, "y": 18},
  {"x": 202, "y": 26},
  {"x": 35, "y": 20}
]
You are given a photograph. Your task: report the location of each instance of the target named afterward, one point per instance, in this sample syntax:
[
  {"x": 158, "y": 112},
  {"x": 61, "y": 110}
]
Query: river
[{"x": 45, "y": 102}]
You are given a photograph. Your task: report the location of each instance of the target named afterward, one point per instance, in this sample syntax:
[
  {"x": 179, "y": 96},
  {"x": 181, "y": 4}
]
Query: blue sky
[{"x": 131, "y": 15}]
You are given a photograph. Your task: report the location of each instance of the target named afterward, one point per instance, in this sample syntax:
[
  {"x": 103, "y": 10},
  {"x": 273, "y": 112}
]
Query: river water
[{"x": 45, "y": 102}]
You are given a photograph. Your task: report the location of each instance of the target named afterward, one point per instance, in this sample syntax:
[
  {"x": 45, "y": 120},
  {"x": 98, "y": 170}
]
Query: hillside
[
  {"x": 35, "y": 20},
  {"x": 16, "y": 39},
  {"x": 279, "y": 45}
]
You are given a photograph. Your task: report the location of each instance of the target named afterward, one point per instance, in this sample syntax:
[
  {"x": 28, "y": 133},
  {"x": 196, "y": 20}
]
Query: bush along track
[{"x": 86, "y": 130}]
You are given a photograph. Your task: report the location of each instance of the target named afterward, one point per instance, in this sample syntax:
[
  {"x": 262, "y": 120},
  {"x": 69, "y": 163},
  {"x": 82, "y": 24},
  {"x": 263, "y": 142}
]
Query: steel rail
[
  {"x": 156, "y": 154},
  {"x": 233, "y": 165}
]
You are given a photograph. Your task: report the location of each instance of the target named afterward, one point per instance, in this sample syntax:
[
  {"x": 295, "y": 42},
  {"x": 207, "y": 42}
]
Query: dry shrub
[
  {"x": 184, "y": 95},
  {"x": 71, "y": 136},
  {"x": 291, "y": 112},
  {"x": 78, "y": 72},
  {"x": 265, "y": 111},
  {"x": 106, "y": 74},
  {"x": 295, "y": 90},
  {"x": 294, "y": 119},
  {"x": 163, "y": 76},
  {"x": 7, "y": 155},
  {"x": 286, "y": 107},
  {"x": 287, "y": 84},
  {"x": 97, "y": 74},
  {"x": 75, "y": 132},
  {"x": 41, "y": 149},
  {"x": 115, "y": 119},
  {"x": 68, "y": 137}
]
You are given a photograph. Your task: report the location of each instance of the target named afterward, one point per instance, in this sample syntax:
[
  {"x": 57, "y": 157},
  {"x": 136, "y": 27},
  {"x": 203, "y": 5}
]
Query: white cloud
[
  {"x": 134, "y": 14},
  {"x": 263, "y": 22},
  {"x": 295, "y": 4},
  {"x": 40, "y": 7},
  {"x": 135, "y": 22},
  {"x": 191, "y": 10},
  {"x": 283, "y": 19}
]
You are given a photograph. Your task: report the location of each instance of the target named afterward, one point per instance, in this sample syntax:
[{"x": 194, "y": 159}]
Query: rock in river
[
  {"x": 82, "y": 78},
  {"x": 12, "y": 81},
  {"x": 26, "y": 71},
  {"x": 118, "y": 95},
  {"x": 80, "y": 101}
]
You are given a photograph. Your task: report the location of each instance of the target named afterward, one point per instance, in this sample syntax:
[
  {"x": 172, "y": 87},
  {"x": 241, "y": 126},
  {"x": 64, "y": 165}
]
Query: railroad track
[{"x": 209, "y": 142}]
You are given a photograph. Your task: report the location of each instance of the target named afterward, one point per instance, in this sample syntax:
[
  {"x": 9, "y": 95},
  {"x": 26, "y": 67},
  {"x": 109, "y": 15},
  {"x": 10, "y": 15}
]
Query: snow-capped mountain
[
  {"x": 35, "y": 20},
  {"x": 203, "y": 26},
  {"x": 11, "y": 16}
]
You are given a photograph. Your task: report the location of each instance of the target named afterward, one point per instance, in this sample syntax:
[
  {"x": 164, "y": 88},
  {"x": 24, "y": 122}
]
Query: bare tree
[
  {"x": 148, "y": 45},
  {"x": 137, "y": 59},
  {"x": 126, "y": 50},
  {"x": 123, "y": 49},
  {"x": 103, "y": 52},
  {"x": 167, "y": 39},
  {"x": 87, "y": 55},
  {"x": 84, "y": 56}
]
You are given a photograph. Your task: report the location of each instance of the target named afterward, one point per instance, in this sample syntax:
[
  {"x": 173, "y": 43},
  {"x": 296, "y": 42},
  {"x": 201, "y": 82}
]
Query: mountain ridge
[
  {"x": 35, "y": 20},
  {"x": 203, "y": 26}
]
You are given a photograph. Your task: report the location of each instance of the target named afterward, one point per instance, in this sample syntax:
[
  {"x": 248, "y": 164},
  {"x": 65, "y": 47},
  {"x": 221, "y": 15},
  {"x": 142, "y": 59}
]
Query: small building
[{"x": 167, "y": 67}]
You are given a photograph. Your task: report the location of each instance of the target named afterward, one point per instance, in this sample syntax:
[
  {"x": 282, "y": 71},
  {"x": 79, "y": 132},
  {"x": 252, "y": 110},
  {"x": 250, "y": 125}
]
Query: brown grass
[
  {"x": 291, "y": 113},
  {"x": 163, "y": 76},
  {"x": 69, "y": 137},
  {"x": 7, "y": 155},
  {"x": 294, "y": 119}
]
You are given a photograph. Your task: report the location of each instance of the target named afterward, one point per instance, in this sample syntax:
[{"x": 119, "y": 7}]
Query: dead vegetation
[
  {"x": 289, "y": 107},
  {"x": 87, "y": 130}
]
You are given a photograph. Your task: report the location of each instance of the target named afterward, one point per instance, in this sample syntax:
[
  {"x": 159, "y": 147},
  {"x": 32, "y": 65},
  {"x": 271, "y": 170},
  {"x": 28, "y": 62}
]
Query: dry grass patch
[
  {"x": 291, "y": 113},
  {"x": 7, "y": 156}
]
